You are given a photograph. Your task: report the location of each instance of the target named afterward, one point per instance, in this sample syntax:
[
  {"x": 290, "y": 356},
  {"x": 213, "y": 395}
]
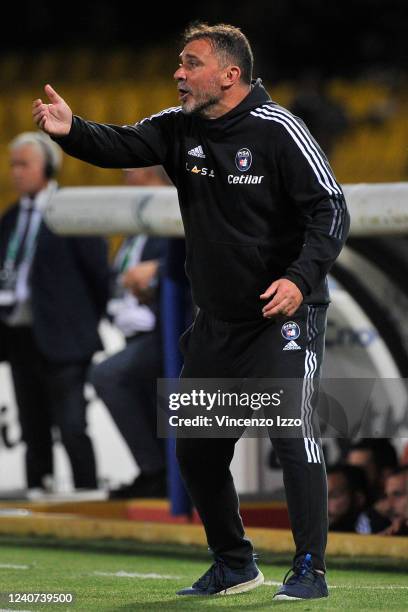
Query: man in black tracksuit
[{"x": 264, "y": 221}]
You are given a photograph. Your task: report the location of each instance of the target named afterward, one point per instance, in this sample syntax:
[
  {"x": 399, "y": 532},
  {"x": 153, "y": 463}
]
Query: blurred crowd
[{"x": 368, "y": 490}]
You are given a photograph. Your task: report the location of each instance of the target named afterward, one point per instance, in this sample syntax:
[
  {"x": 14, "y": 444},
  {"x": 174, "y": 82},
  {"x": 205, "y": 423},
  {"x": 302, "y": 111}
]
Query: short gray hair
[
  {"x": 50, "y": 150},
  {"x": 226, "y": 40}
]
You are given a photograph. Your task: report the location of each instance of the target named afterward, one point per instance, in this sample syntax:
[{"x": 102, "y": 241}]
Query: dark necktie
[{"x": 22, "y": 244}]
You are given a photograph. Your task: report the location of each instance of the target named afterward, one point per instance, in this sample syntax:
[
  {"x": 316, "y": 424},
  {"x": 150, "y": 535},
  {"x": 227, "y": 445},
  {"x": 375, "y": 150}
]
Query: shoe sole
[
  {"x": 289, "y": 598},
  {"x": 244, "y": 586}
]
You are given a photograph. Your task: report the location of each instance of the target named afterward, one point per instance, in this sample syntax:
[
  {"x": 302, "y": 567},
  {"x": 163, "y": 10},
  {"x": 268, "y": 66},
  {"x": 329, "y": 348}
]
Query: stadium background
[{"x": 114, "y": 64}]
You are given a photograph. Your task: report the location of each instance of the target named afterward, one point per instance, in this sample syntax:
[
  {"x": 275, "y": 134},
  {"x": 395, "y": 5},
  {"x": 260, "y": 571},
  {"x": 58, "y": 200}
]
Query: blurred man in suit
[
  {"x": 126, "y": 381},
  {"x": 53, "y": 292}
]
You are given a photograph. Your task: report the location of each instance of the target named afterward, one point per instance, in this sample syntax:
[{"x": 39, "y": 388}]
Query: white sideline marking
[
  {"x": 122, "y": 574},
  {"x": 11, "y": 566},
  {"x": 13, "y": 610},
  {"x": 384, "y": 587},
  {"x": 348, "y": 586}
]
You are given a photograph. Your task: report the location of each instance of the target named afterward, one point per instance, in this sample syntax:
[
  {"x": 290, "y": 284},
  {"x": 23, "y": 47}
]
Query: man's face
[
  {"x": 199, "y": 77},
  {"x": 364, "y": 459},
  {"x": 340, "y": 499},
  {"x": 396, "y": 493},
  {"x": 27, "y": 169}
]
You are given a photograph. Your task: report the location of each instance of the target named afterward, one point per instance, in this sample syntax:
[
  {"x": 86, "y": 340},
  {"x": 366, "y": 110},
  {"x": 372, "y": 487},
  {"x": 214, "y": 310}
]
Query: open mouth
[{"x": 183, "y": 93}]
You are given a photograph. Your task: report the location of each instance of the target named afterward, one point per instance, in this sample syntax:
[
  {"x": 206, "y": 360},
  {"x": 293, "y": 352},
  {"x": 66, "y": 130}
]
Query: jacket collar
[{"x": 41, "y": 199}]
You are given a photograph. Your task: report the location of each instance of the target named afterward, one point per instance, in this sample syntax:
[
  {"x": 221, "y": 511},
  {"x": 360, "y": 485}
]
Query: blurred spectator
[
  {"x": 396, "y": 495},
  {"x": 378, "y": 458},
  {"x": 348, "y": 501},
  {"x": 347, "y": 496},
  {"x": 326, "y": 119},
  {"x": 404, "y": 456},
  {"x": 126, "y": 381},
  {"x": 53, "y": 291}
]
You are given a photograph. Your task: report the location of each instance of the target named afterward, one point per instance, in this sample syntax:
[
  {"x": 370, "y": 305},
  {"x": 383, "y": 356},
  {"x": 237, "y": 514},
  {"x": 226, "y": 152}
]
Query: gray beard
[{"x": 200, "y": 109}]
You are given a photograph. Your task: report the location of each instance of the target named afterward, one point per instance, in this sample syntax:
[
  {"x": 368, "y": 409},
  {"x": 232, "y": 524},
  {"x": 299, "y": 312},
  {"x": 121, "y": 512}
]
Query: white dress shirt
[{"x": 128, "y": 314}]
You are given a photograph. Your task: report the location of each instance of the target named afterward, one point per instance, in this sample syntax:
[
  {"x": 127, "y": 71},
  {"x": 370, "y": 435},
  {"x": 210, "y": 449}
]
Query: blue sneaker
[
  {"x": 220, "y": 579},
  {"x": 305, "y": 582}
]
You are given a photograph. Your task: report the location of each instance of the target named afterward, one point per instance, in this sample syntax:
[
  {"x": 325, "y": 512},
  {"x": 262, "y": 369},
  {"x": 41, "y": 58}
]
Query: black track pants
[{"x": 259, "y": 349}]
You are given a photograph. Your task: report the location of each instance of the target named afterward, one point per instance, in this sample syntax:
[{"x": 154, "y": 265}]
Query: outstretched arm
[{"x": 108, "y": 146}]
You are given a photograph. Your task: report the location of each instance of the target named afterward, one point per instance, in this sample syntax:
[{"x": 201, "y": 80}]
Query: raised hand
[{"x": 55, "y": 118}]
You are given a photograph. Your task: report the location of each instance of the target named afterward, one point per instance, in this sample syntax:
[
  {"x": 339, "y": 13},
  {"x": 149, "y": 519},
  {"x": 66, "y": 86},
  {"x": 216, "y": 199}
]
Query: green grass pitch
[{"x": 112, "y": 579}]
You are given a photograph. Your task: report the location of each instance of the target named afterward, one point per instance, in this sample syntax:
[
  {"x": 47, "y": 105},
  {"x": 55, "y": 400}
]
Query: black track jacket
[{"x": 257, "y": 196}]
